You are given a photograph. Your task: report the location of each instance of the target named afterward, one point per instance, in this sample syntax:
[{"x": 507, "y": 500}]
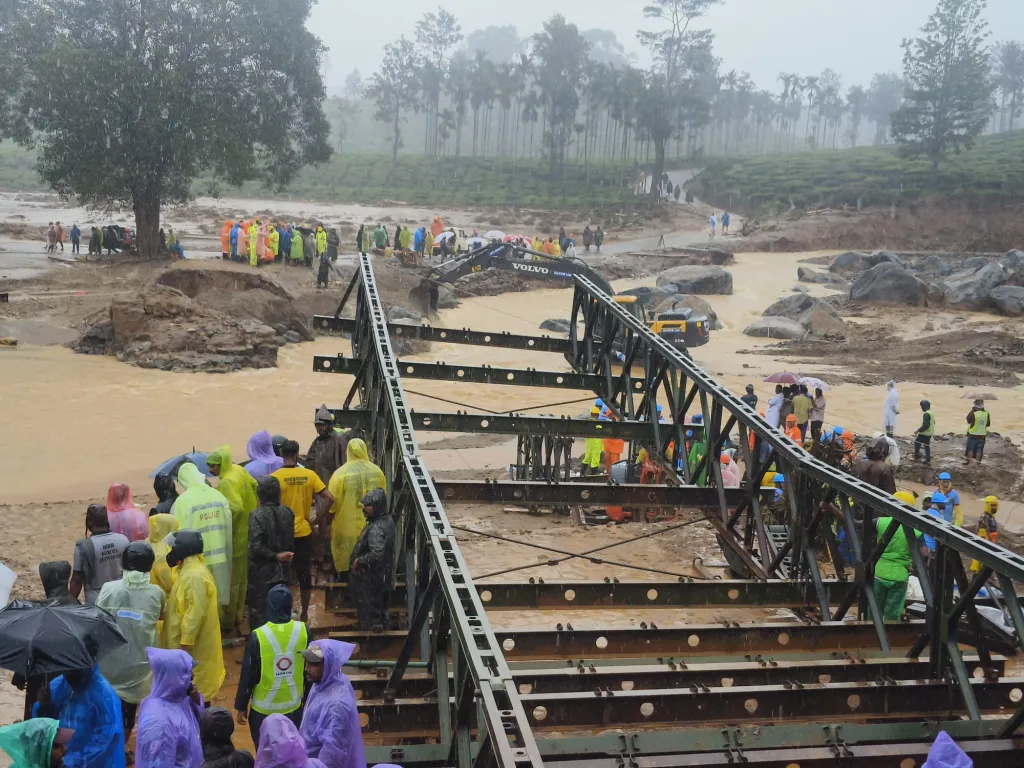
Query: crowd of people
[{"x": 214, "y": 554}]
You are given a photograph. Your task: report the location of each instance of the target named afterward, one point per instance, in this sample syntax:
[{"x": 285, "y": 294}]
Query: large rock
[
  {"x": 401, "y": 313},
  {"x": 975, "y": 262},
  {"x": 1013, "y": 264},
  {"x": 823, "y": 321},
  {"x": 1008, "y": 299},
  {"x": 891, "y": 284},
  {"x": 806, "y": 275},
  {"x": 883, "y": 257},
  {"x": 696, "y": 304},
  {"x": 790, "y": 306},
  {"x": 446, "y": 298},
  {"x": 699, "y": 280},
  {"x": 555, "y": 324},
  {"x": 971, "y": 289},
  {"x": 935, "y": 266},
  {"x": 775, "y": 328},
  {"x": 850, "y": 262}
]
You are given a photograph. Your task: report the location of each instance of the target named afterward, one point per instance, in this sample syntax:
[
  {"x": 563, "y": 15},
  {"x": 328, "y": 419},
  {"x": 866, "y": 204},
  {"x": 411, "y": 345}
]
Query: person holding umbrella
[
  {"x": 137, "y": 605},
  {"x": 36, "y": 743},
  {"x": 83, "y": 701}
]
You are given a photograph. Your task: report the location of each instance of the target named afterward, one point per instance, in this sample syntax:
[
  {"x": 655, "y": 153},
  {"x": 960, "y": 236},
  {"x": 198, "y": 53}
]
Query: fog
[{"x": 763, "y": 37}]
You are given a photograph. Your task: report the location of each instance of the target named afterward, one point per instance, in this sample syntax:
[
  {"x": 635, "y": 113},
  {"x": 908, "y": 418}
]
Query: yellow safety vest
[
  {"x": 980, "y": 427},
  {"x": 279, "y": 690},
  {"x": 931, "y": 425}
]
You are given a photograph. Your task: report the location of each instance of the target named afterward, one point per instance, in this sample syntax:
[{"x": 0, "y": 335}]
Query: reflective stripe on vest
[
  {"x": 931, "y": 425},
  {"x": 980, "y": 427},
  {"x": 281, "y": 668}
]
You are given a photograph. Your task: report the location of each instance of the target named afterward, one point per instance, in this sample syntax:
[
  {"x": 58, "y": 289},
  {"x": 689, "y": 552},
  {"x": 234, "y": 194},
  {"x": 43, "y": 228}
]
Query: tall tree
[
  {"x": 856, "y": 100},
  {"x": 948, "y": 85},
  {"x": 560, "y": 55},
  {"x": 349, "y": 107},
  {"x": 497, "y": 43},
  {"x": 395, "y": 87},
  {"x": 680, "y": 56},
  {"x": 437, "y": 34},
  {"x": 885, "y": 95},
  {"x": 1009, "y": 77},
  {"x": 128, "y": 102}
]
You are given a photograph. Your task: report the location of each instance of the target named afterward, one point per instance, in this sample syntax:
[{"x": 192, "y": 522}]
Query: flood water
[{"x": 74, "y": 423}]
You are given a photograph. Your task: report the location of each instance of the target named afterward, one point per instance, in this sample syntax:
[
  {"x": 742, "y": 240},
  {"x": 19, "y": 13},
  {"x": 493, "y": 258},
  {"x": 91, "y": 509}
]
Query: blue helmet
[
  {"x": 658, "y": 408},
  {"x": 689, "y": 433},
  {"x": 779, "y": 478},
  {"x": 838, "y": 430},
  {"x": 698, "y": 419},
  {"x": 945, "y": 476},
  {"x": 938, "y": 497}
]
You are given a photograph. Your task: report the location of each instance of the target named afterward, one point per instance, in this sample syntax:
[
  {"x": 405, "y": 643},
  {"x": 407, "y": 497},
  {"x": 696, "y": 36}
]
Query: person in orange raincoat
[
  {"x": 793, "y": 430},
  {"x": 436, "y": 227},
  {"x": 242, "y": 249},
  {"x": 262, "y": 248},
  {"x": 225, "y": 239},
  {"x": 613, "y": 446}
]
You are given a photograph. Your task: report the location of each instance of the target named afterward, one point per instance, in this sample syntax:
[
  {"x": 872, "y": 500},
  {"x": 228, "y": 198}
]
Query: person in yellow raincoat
[
  {"x": 273, "y": 243},
  {"x": 204, "y": 509},
  {"x": 190, "y": 618},
  {"x": 239, "y": 488},
  {"x": 428, "y": 243},
  {"x": 321, "y": 240},
  {"x": 988, "y": 528},
  {"x": 594, "y": 447},
  {"x": 349, "y": 483},
  {"x": 160, "y": 527},
  {"x": 254, "y": 234}
]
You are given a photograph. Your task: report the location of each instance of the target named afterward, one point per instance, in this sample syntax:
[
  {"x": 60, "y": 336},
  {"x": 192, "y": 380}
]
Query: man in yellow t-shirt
[{"x": 300, "y": 488}]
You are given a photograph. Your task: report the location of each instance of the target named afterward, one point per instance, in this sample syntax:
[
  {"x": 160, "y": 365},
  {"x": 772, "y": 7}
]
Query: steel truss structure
[{"x": 821, "y": 689}]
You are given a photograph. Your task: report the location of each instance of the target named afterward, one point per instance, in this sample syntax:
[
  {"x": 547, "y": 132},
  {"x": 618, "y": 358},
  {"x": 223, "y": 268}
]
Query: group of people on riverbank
[{"x": 223, "y": 541}]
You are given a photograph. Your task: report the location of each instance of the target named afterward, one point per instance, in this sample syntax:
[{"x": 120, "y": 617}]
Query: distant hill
[{"x": 993, "y": 171}]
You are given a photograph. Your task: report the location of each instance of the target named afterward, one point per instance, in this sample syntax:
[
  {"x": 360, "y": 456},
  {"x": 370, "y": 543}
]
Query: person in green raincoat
[
  {"x": 36, "y": 743},
  {"x": 239, "y": 488},
  {"x": 273, "y": 241},
  {"x": 349, "y": 483},
  {"x": 406, "y": 238},
  {"x": 697, "y": 452},
  {"x": 367, "y": 241},
  {"x": 254, "y": 234},
  {"x": 296, "y": 254}
]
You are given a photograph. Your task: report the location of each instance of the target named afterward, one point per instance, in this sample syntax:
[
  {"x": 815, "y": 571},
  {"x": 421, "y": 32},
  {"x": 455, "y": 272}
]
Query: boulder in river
[
  {"x": 807, "y": 275},
  {"x": 697, "y": 279},
  {"x": 790, "y": 306},
  {"x": 970, "y": 289},
  {"x": 555, "y": 324},
  {"x": 401, "y": 313},
  {"x": 775, "y": 328},
  {"x": 823, "y": 321},
  {"x": 975, "y": 262},
  {"x": 1008, "y": 299},
  {"x": 883, "y": 257},
  {"x": 446, "y": 298},
  {"x": 935, "y": 266},
  {"x": 850, "y": 263},
  {"x": 891, "y": 284}
]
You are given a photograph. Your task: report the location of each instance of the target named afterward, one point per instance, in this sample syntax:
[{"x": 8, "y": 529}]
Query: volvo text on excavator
[{"x": 680, "y": 327}]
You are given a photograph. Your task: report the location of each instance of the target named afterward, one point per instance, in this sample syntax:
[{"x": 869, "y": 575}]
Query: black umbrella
[{"x": 38, "y": 638}]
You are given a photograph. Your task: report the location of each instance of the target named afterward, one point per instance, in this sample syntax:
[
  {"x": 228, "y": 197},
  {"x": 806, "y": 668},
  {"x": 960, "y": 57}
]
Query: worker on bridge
[
  {"x": 978, "y": 423},
  {"x": 988, "y": 528}
]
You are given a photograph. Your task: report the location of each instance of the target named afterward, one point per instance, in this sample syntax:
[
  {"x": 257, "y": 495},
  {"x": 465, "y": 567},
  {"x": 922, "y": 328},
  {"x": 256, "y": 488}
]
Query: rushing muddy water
[{"x": 73, "y": 423}]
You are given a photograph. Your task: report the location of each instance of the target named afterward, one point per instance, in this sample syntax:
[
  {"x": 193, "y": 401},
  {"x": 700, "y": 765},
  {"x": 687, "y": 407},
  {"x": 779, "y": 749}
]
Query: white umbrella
[
  {"x": 494, "y": 235},
  {"x": 813, "y": 384},
  {"x": 442, "y": 236},
  {"x": 476, "y": 242}
]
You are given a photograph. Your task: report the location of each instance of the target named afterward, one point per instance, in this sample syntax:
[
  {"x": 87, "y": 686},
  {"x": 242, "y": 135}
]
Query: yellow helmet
[
  {"x": 906, "y": 497},
  {"x": 595, "y": 411},
  {"x": 991, "y": 505}
]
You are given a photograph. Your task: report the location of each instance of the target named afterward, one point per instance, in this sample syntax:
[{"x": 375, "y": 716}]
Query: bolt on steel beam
[
  {"x": 499, "y": 339},
  {"x": 470, "y": 374}
]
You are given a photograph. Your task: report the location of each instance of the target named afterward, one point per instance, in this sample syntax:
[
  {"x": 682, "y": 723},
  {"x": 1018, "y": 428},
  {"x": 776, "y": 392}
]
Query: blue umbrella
[{"x": 171, "y": 465}]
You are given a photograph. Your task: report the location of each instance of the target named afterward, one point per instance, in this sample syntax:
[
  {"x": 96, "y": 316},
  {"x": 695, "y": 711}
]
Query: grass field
[
  {"x": 447, "y": 181},
  {"x": 992, "y": 171}
]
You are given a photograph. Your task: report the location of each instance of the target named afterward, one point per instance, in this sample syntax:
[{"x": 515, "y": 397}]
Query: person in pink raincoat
[{"x": 123, "y": 515}]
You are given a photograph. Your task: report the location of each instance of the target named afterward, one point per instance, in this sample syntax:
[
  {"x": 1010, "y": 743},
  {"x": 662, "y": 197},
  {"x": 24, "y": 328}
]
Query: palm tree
[
  {"x": 812, "y": 92},
  {"x": 856, "y": 99}
]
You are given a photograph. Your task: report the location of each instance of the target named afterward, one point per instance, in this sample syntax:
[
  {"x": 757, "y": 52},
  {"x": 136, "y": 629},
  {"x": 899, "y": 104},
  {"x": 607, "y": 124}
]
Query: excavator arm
[{"x": 514, "y": 258}]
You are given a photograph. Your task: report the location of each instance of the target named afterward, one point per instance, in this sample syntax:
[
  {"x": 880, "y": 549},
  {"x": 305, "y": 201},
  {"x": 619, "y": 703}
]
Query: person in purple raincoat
[
  {"x": 262, "y": 459},
  {"x": 281, "y": 746},
  {"x": 330, "y": 724},
  {"x": 168, "y": 729}
]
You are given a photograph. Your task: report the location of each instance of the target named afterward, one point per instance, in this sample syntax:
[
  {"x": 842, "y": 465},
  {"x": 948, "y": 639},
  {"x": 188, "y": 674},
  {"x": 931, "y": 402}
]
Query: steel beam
[
  {"x": 499, "y": 339},
  {"x": 469, "y": 374},
  {"x": 509, "y": 424},
  {"x": 600, "y": 494},
  {"x": 836, "y": 701},
  {"x": 637, "y": 595},
  {"x": 774, "y": 640}
]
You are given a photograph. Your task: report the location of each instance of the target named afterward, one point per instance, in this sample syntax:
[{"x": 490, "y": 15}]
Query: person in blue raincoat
[
  {"x": 234, "y": 241},
  {"x": 285, "y": 248},
  {"x": 84, "y": 702},
  {"x": 417, "y": 243}
]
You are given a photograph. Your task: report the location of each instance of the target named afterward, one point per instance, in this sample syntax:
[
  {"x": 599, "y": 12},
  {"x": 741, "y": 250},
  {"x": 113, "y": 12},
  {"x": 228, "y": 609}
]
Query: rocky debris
[
  {"x": 163, "y": 328},
  {"x": 292, "y": 337},
  {"x": 935, "y": 266},
  {"x": 823, "y": 320},
  {"x": 889, "y": 283},
  {"x": 976, "y": 262},
  {"x": 775, "y": 328},
  {"x": 446, "y": 298},
  {"x": 851, "y": 262},
  {"x": 557, "y": 325},
  {"x": 698, "y": 280},
  {"x": 970, "y": 289},
  {"x": 800, "y": 289},
  {"x": 8, "y": 341},
  {"x": 884, "y": 257},
  {"x": 1008, "y": 299},
  {"x": 396, "y": 314},
  {"x": 194, "y": 282},
  {"x": 805, "y": 275},
  {"x": 696, "y": 304},
  {"x": 1013, "y": 264}
]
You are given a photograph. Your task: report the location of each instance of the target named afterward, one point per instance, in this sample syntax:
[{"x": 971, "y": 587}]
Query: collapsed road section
[{"x": 831, "y": 684}]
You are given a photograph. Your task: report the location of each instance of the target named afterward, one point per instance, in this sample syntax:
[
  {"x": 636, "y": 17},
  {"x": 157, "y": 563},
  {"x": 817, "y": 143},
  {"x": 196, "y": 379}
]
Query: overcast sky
[{"x": 857, "y": 38}]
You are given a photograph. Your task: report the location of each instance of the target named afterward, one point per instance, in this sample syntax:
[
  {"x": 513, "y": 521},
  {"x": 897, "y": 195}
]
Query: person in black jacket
[
  {"x": 750, "y": 398},
  {"x": 271, "y": 547},
  {"x": 215, "y": 729},
  {"x": 372, "y": 563},
  {"x": 166, "y": 495}
]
